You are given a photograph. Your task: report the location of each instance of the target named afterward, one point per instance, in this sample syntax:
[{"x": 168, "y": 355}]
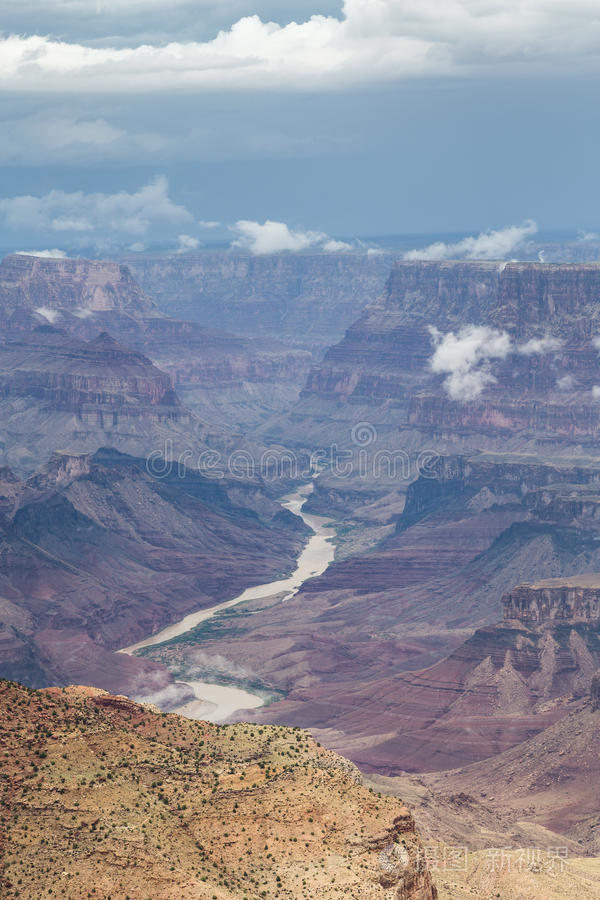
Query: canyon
[
  {"x": 96, "y": 552},
  {"x": 343, "y": 654},
  {"x": 306, "y": 300},
  {"x": 226, "y": 381},
  {"x": 459, "y": 620}
]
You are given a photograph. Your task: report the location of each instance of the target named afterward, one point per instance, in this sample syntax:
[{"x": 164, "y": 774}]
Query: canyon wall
[
  {"x": 555, "y": 600},
  {"x": 228, "y": 381},
  {"x": 380, "y": 372},
  {"x": 304, "y": 299},
  {"x": 81, "y": 286}
]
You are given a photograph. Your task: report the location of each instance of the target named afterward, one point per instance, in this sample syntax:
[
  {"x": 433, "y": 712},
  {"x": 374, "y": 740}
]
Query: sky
[{"x": 297, "y": 125}]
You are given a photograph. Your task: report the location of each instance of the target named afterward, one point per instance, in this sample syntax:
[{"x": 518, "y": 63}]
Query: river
[{"x": 216, "y": 702}]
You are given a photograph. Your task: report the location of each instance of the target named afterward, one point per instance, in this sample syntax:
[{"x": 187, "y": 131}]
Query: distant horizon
[{"x": 386, "y": 244}]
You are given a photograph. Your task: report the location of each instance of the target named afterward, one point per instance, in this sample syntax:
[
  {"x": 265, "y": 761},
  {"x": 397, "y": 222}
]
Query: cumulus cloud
[
  {"x": 273, "y": 237},
  {"x": 540, "y": 346},
  {"x": 277, "y": 237},
  {"x": 589, "y": 236},
  {"x": 488, "y": 245},
  {"x": 333, "y": 246},
  {"x": 44, "y": 254},
  {"x": 370, "y": 41},
  {"x": 100, "y": 219},
  {"x": 186, "y": 243},
  {"x": 465, "y": 357},
  {"x": 566, "y": 383}
]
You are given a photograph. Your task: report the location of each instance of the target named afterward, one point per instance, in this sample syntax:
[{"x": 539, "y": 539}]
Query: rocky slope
[
  {"x": 547, "y": 782},
  {"x": 306, "y": 300},
  {"x": 96, "y": 553},
  {"x": 100, "y": 793}
]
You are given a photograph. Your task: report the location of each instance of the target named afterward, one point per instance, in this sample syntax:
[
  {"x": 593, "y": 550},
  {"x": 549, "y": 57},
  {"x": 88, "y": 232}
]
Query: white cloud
[
  {"x": 333, "y": 246},
  {"x": 186, "y": 243},
  {"x": 277, "y": 237},
  {"x": 488, "y": 245},
  {"x": 101, "y": 219},
  {"x": 371, "y": 41},
  {"x": 566, "y": 383},
  {"x": 596, "y": 392},
  {"x": 209, "y": 224},
  {"x": 137, "y": 247},
  {"x": 540, "y": 346},
  {"x": 374, "y": 251},
  {"x": 465, "y": 357},
  {"x": 589, "y": 236},
  {"x": 44, "y": 254},
  {"x": 51, "y": 315},
  {"x": 273, "y": 237}
]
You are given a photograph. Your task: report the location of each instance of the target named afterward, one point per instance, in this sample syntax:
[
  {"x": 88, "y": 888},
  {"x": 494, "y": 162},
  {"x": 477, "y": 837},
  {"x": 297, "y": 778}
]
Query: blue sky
[{"x": 143, "y": 123}]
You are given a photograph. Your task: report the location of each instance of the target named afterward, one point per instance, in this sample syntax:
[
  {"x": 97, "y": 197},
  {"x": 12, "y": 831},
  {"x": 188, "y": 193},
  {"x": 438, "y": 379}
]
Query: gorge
[{"x": 413, "y": 576}]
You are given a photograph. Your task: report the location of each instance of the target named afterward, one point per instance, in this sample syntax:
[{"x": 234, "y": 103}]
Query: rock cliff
[
  {"x": 80, "y": 286},
  {"x": 306, "y": 300},
  {"x": 227, "y": 380},
  {"x": 556, "y": 600},
  {"x": 380, "y": 372}
]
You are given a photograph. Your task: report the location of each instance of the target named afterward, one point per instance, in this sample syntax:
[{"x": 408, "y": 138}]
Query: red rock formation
[
  {"x": 380, "y": 371},
  {"x": 253, "y": 379},
  {"x": 79, "y": 286},
  {"x": 93, "y": 378},
  {"x": 555, "y": 600}
]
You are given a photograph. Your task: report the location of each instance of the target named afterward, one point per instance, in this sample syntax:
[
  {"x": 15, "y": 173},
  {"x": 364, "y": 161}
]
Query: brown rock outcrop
[
  {"x": 94, "y": 378},
  {"x": 99, "y": 792}
]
